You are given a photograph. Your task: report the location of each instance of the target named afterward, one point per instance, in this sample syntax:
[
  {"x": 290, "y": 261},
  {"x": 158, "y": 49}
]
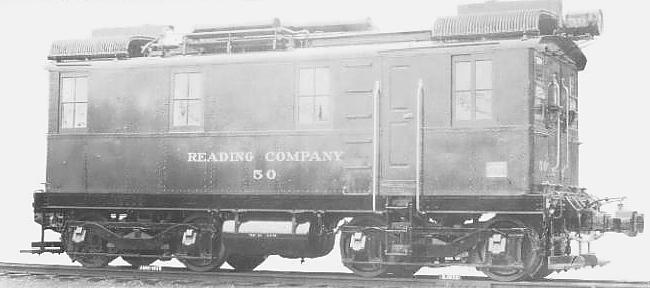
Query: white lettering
[
  {"x": 268, "y": 174},
  {"x": 271, "y": 156},
  {"x": 237, "y": 156},
  {"x": 271, "y": 174},
  {"x": 315, "y": 157},
  {"x": 257, "y": 174},
  {"x": 327, "y": 156},
  {"x": 292, "y": 156}
]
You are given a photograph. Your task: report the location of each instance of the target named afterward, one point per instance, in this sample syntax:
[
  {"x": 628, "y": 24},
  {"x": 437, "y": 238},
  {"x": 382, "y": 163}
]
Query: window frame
[
  {"x": 61, "y": 103},
  {"x": 329, "y": 96},
  {"x": 172, "y": 100},
  {"x": 473, "y": 90}
]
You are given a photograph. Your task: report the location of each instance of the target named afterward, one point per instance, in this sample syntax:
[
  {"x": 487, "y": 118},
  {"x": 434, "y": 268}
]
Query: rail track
[{"x": 36, "y": 275}]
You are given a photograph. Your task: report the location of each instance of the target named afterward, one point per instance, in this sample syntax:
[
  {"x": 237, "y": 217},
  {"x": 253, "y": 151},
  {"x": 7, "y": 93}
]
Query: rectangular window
[
  {"x": 313, "y": 95},
  {"x": 187, "y": 105},
  {"x": 74, "y": 101},
  {"x": 472, "y": 89}
]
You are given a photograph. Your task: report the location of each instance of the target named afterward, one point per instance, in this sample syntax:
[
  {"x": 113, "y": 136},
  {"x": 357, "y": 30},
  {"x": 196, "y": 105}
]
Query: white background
[{"x": 614, "y": 101}]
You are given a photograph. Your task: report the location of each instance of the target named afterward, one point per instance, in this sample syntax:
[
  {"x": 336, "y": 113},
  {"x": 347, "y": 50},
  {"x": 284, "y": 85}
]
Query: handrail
[
  {"x": 419, "y": 143},
  {"x": 375, "y": 143},
  {"x": 566, "y": 127},
  {"x": 558, "y": 133}
]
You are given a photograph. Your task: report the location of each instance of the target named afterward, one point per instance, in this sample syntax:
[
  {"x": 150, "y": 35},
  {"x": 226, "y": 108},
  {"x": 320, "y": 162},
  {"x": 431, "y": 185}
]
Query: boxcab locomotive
[{"x": 451, "y": 146}]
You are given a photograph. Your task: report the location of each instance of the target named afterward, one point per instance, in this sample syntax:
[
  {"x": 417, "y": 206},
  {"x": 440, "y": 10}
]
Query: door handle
[{"x": 407, "y": 116}]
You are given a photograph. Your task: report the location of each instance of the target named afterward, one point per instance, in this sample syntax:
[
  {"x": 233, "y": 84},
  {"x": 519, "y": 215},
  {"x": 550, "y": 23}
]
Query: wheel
[
  {"x": 244, "y": 263},
  {"x": 92, "y": 243},
  {"x": 136, "y": 262},
  {"x": 531, "y": 258},
  {"x": 373, "y": 249},
  {"x": 205, "y": 243}
]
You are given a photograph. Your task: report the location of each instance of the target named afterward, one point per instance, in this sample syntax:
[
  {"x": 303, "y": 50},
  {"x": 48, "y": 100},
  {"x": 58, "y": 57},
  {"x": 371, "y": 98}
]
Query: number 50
[{"x": 261, "y": 174}]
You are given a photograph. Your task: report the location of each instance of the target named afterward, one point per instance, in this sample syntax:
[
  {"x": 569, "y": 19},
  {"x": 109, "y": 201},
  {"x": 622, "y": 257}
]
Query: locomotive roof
[
  {"x": 558, "y": 43},
  {"x": 273, "y": 41}
]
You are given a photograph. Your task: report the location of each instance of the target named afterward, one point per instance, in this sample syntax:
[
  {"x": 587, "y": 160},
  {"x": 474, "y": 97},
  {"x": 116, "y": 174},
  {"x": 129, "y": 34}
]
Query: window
[
  {"x": 74, "y": 101},
  {"x": 186, "y": 102},
  {"x": 540, "y": 87},
  {"x": 472, "y": 89},
  {"x": 313, "y": 96}
]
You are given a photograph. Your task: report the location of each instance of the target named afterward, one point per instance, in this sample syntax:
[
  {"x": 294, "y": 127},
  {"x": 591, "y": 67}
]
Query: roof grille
[
  {"x": 98, "y": 48},
  {"x": 496, "y": 25}
]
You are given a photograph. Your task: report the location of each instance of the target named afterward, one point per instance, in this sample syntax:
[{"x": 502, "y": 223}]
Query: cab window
[
  {"x": 187, "y": 110},
  {"x": 472, "y": 89},
  {"x": 313, "y": 97},
  {"x": 74, "y": 101}
]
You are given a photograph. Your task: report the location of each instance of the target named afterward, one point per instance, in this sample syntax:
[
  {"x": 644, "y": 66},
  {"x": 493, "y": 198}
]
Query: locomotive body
[{"x": 243, "y": 142}]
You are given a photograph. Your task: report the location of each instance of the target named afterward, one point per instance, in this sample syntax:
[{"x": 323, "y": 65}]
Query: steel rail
[{"x": 175, "y": 276}]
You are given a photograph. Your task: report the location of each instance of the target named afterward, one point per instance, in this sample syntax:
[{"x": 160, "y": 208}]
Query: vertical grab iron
[
  {"x": 375, "y": 144},
  {"x": 420, "y": 147}
]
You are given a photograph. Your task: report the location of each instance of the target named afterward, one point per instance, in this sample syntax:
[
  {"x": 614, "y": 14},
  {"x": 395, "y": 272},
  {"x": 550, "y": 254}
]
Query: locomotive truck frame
[{"x": 457, "y": 146}]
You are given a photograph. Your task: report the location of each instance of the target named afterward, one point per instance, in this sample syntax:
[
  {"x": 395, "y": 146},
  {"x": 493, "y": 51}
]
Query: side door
[{"x": 400, "y": 111}]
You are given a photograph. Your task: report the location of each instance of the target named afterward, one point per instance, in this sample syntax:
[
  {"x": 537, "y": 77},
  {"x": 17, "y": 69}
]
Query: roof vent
[
  {"x": 98, "y": 48},
  {"x": 120, "y": 42},
  {"x": 495, "y": 25}
]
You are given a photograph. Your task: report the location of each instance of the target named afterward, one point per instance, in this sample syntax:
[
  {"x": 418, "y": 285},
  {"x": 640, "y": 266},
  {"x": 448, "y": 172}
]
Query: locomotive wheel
[
  {"x": 136, "y": 262},
  {"x": 218, "y": 248},
  {"x": 244, "y": 263},
  {"x": 92, "y": 244},
  {"x": 531, "y": 258},
  {"x": 373, "y": 250}
]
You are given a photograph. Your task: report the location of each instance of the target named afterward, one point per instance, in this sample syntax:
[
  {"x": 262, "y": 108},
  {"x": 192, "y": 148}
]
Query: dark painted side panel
[
  {"x": 249, "y": 97},
  {"x": 330, "y": 163},
  {"x": 251, "y": 108},
  {"x": 511, "y": 86},
  {"x": 476, "y": 162},
  {"x": 66, "y": 170},
  {"x": 127, "y": 101}
]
